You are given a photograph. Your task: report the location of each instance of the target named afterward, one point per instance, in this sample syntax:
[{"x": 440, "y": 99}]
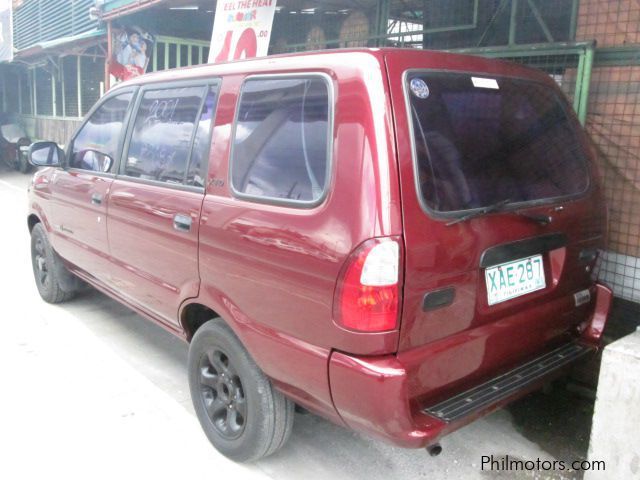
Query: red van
[{"x": 400, "y": 241}]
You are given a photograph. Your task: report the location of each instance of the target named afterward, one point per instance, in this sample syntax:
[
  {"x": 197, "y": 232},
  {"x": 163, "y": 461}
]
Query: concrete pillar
[{"x": 615, "y": 433}]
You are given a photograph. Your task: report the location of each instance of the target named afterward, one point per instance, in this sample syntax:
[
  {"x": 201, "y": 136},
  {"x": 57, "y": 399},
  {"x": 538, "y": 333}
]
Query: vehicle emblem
[{"x": 419, "y": 88}]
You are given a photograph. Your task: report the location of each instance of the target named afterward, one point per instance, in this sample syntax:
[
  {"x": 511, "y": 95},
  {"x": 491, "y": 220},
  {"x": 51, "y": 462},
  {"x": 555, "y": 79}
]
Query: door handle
[
  {"x": 182, "y": 222},
  {"x": 96, "y": 199}
]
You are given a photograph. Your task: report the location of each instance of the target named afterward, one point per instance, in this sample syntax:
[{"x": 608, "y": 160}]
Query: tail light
[{"x": 367, "y": 297}]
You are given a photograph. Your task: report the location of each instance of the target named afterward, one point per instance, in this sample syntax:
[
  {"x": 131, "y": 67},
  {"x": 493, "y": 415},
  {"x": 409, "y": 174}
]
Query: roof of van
[{"x": 324, "y": 59}]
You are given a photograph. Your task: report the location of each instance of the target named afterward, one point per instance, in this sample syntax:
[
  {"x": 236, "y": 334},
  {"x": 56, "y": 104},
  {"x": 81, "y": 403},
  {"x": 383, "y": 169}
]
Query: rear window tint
[
  {"x": 281, "y": 140},
  {"x": 480, "y": 141}
]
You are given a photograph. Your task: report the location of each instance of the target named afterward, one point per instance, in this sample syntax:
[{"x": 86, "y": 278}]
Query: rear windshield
[{"x": 480, "y": 141}]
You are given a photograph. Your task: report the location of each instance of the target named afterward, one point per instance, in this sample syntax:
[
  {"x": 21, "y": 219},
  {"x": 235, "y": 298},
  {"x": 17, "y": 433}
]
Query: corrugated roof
[
  {"x": 37, "y": 21},
  {"x": 115, "y": 8},
  {"x": 81, "y": 38}
]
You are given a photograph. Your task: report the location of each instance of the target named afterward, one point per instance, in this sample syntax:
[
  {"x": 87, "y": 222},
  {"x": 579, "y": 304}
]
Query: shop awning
[
  {"x": 116, "y": 8},
  {"x": 70, "y": 44},
  {"x": 113, "y": 9}
]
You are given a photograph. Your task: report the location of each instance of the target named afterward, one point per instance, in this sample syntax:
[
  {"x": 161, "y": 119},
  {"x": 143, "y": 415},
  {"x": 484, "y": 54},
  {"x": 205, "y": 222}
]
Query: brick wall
[{"x": 614, "y": 123}]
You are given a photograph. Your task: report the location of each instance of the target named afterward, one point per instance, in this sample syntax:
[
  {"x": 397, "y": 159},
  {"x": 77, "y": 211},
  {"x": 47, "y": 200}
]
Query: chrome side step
[{"x": 501, "y": 387}]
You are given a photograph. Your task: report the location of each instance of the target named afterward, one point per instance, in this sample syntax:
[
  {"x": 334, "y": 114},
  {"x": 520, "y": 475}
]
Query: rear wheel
[
  {"x": 241, "y": 413},
  {"x": 48, "y": 269}
]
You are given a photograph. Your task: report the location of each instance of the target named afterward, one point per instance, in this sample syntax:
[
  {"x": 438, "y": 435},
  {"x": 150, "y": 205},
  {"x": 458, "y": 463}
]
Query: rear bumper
[
  {"x": 592, "y": 328},
  {"x": 376, "y": 395}
]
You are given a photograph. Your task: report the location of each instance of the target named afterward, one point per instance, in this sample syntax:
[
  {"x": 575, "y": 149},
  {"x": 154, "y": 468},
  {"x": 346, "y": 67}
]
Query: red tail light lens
[{"x": 368, "y": 293}]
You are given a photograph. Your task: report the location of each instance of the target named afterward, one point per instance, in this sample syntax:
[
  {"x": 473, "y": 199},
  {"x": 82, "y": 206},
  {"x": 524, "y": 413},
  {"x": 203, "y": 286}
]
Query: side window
[
  {"x": 96, "y": 146},
  {"x": 197, "y": 172},
  {"x": 163, "y": 133},
  {"x": 281, "y": 144}
]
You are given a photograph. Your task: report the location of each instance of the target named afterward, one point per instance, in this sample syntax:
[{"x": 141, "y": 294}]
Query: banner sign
[
  {"x": 6, "y": 31},
  {"x": 132, "y": 48},
  {"x": 241, "y": 29}
]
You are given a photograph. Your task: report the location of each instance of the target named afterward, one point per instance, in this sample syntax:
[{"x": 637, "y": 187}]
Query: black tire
[
  {"x": 242, "y": 414},
  {"x": 48, "y": 269}
]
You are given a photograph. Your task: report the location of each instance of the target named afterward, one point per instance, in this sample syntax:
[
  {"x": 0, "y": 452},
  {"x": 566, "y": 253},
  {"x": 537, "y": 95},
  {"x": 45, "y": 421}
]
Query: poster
[
  {"x": 131, "y": 51},
  {"x": 6, "y": 31},
  {"x": 241, "y": 29}
]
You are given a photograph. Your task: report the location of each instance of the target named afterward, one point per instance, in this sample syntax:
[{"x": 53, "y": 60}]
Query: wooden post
[{"x": 107, "y": 63}]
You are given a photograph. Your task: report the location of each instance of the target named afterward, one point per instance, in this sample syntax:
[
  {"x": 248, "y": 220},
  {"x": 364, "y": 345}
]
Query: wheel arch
[
  {"x": 193, "y": 315},
  {"x": 32, "y": 220},
  {"x": 298, "y": 369}
]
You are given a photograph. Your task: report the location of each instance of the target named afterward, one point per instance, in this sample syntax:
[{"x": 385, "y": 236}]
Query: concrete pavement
[{"x": 92, "y": 390}]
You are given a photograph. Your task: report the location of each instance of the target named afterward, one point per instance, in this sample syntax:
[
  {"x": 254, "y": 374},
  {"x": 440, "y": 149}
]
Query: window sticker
[
  {"x": 419, "y": 88},
  {"x": 485, "y": 83}
]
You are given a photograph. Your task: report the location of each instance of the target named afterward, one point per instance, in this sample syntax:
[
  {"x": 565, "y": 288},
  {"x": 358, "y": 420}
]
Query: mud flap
[{"x": 68, "y": 281}]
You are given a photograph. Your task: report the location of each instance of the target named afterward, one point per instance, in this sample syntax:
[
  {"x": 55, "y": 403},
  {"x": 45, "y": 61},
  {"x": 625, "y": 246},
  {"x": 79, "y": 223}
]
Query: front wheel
[{"x": 242, "y": 414}]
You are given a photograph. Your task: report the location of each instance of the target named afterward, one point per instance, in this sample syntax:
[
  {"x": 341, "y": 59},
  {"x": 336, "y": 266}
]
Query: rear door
[
  {"x": 154, "y": 211},
  {"x": 484, "y": 290},
  {"x": 80, "y": 191}
]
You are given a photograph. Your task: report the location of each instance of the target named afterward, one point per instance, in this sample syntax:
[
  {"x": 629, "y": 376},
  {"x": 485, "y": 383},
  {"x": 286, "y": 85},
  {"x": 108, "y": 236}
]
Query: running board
[{"x": 503, "y": 386}]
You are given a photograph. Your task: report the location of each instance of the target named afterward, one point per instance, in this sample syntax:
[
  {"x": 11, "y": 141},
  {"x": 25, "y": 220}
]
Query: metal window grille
[
  {"x": 436, "y": 24},
  {"x": 614, "y": 124},
  {"x": 43, "y": 91},
  {"x": 58, "y": 95},
  {"x": 70, "y": 71},
  {"x": 91, "y": 82},
  {"x": 610, "y": 23},
  {"x": 170, "y": 52},
  {"x": 11, "y": 81},
  {"x": 26, "y": 92},
  {"x": 613, "y": 121}
]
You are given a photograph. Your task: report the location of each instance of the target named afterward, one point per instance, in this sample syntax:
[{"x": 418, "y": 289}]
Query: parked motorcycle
[{"x": 14, "y": 143}]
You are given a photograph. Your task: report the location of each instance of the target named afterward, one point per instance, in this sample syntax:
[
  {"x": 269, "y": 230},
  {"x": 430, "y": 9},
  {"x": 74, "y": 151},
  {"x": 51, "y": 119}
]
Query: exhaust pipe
[{"x": 434, "y": 450}]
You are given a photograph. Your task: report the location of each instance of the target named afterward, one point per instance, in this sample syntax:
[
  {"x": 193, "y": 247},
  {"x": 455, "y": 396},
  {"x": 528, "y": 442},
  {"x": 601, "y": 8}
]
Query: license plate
[{"x": 513, "y": 279}]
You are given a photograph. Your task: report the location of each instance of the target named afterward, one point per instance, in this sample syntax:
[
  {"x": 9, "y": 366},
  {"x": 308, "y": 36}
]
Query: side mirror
[{"x": 45, "y": 154}]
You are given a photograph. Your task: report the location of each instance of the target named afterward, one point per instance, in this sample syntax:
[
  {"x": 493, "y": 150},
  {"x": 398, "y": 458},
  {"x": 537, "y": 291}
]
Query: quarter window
[
  {"x": 197, "y": 172},
  {"x": 281, "y": 141},
  {"x": 95, "y": 147},
  {"x": 163, "y": 133}
]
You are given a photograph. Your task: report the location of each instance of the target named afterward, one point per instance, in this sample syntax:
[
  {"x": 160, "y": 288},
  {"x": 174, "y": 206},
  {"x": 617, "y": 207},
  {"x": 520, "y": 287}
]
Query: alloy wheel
[
  {"x": 222, "y": 394},
  {"x": 40, "y": 262}
]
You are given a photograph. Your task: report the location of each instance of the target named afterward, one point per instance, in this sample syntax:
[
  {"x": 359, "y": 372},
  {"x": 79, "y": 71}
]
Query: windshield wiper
[{"x": 495, "y": 207}]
